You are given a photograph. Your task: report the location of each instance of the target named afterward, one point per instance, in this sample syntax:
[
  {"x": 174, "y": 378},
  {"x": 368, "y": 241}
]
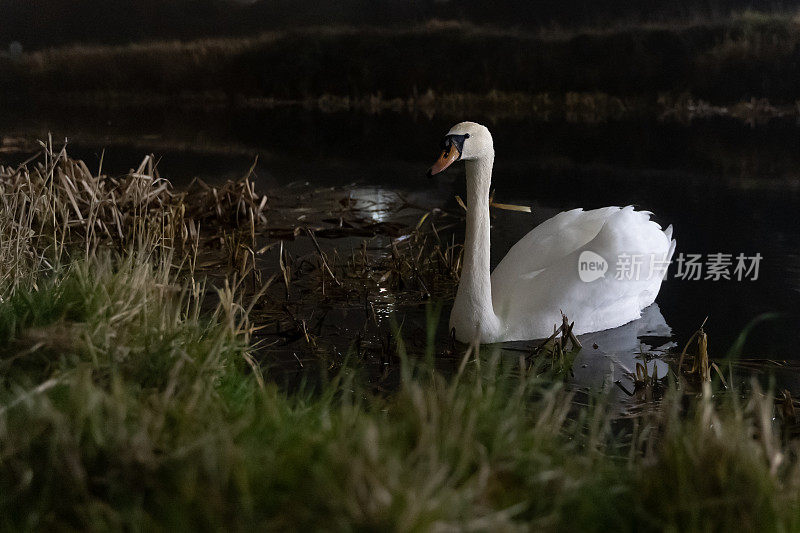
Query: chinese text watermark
[{"x": 689, "y": 267}]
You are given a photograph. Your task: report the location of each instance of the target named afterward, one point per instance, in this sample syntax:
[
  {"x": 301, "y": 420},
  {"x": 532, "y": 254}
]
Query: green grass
[
  {"x": 134, "y": 412},
  {"x": 126, "y": 403}
]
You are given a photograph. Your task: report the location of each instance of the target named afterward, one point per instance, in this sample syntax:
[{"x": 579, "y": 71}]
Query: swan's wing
[
  {"x": 530, "y": 304},
  {"x": 550, "y": 241}
]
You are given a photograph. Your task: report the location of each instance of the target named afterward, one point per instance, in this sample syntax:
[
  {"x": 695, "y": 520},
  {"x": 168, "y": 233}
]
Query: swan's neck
[{"x": 472, "y": 310}]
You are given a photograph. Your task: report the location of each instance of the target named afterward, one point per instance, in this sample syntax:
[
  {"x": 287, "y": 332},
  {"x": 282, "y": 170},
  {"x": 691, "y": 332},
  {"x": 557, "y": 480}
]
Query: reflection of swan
[
  {"x": 617, "y": 350},
  {"x": 540, "y": 276}
]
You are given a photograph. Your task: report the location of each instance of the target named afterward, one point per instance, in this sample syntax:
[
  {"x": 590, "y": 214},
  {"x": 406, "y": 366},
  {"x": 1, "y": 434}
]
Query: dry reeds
[
  {"x": 59, "y": 211},
  {"x": 55, "y": 207},
  {"x": 701, "y": 364}
]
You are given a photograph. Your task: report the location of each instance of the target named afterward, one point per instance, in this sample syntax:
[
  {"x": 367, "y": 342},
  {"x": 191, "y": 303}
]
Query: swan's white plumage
[
  {"x": 529, "y": 306},
  {"x": 538, "y": 278}
]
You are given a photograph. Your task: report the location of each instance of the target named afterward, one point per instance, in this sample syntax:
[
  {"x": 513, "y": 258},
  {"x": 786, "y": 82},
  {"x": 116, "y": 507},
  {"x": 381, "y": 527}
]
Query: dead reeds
[
  {"x": 701, "y": 363},
  {"x": 60, "y": 208},
  {"x": 59, "y": 211}
]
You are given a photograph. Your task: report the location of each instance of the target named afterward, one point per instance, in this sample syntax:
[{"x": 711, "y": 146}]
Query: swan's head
[{"x": 465, "y": 141}]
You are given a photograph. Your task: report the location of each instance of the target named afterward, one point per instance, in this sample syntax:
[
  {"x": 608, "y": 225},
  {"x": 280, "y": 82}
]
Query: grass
[
  {"x": 599, "y": 74},
  {"x": 128, "y": 402}
]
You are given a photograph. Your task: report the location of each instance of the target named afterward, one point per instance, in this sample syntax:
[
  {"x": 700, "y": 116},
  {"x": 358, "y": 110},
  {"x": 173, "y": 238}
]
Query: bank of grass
[
  {"x": 433, "y": 67},
  {"x": 126, "y": 403},
  {"x": 122, "y": 409}
]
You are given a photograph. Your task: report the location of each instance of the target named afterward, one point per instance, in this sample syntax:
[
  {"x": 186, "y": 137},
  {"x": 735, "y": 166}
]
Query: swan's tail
[{"x": 672, "y": 244}]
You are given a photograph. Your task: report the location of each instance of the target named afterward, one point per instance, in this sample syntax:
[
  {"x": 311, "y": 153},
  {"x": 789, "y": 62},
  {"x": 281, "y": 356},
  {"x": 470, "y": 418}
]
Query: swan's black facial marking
[
  {"x": 454, "y": 140},
  {"x": 452, "y": 148}
]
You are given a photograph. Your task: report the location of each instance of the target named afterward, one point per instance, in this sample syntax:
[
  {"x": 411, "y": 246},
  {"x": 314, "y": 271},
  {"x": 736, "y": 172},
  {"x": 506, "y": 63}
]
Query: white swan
[{"x": 542, "y": 274}]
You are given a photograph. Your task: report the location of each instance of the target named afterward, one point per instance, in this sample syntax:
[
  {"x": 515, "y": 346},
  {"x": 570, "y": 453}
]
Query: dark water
[{"x": 725, "y": 186}]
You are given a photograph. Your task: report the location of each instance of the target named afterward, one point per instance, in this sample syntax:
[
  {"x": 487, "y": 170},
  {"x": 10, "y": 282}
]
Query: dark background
[{"x": 44, "y": 23}]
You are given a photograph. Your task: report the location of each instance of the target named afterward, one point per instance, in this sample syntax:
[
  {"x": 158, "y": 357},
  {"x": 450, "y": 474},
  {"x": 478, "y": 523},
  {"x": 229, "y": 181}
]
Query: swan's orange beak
[{"x": 448, "y": 157}]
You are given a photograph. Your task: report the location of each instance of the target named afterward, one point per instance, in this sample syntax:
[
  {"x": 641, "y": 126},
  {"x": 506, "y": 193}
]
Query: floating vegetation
[
  {"x": 560, "y": 348},
  {"x": 701, "y": 364}
]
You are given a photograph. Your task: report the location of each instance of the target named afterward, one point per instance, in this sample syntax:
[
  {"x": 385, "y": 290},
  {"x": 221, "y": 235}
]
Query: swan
[{"x": 600, "y": 267}]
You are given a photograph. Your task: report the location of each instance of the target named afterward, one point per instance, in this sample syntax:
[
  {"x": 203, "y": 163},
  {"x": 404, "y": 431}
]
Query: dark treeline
[
  {"x": 726, "y": 62},
  {"x": 45, "y": 23}
]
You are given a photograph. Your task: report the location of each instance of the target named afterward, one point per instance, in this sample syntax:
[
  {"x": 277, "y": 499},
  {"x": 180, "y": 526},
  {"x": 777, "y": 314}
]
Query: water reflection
[
  {"x": 618, "y": 350},
  {"x": 376, "y": 202},
  {"x": 610, "y": 356},
  {"x": 726, "y": 187}
]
